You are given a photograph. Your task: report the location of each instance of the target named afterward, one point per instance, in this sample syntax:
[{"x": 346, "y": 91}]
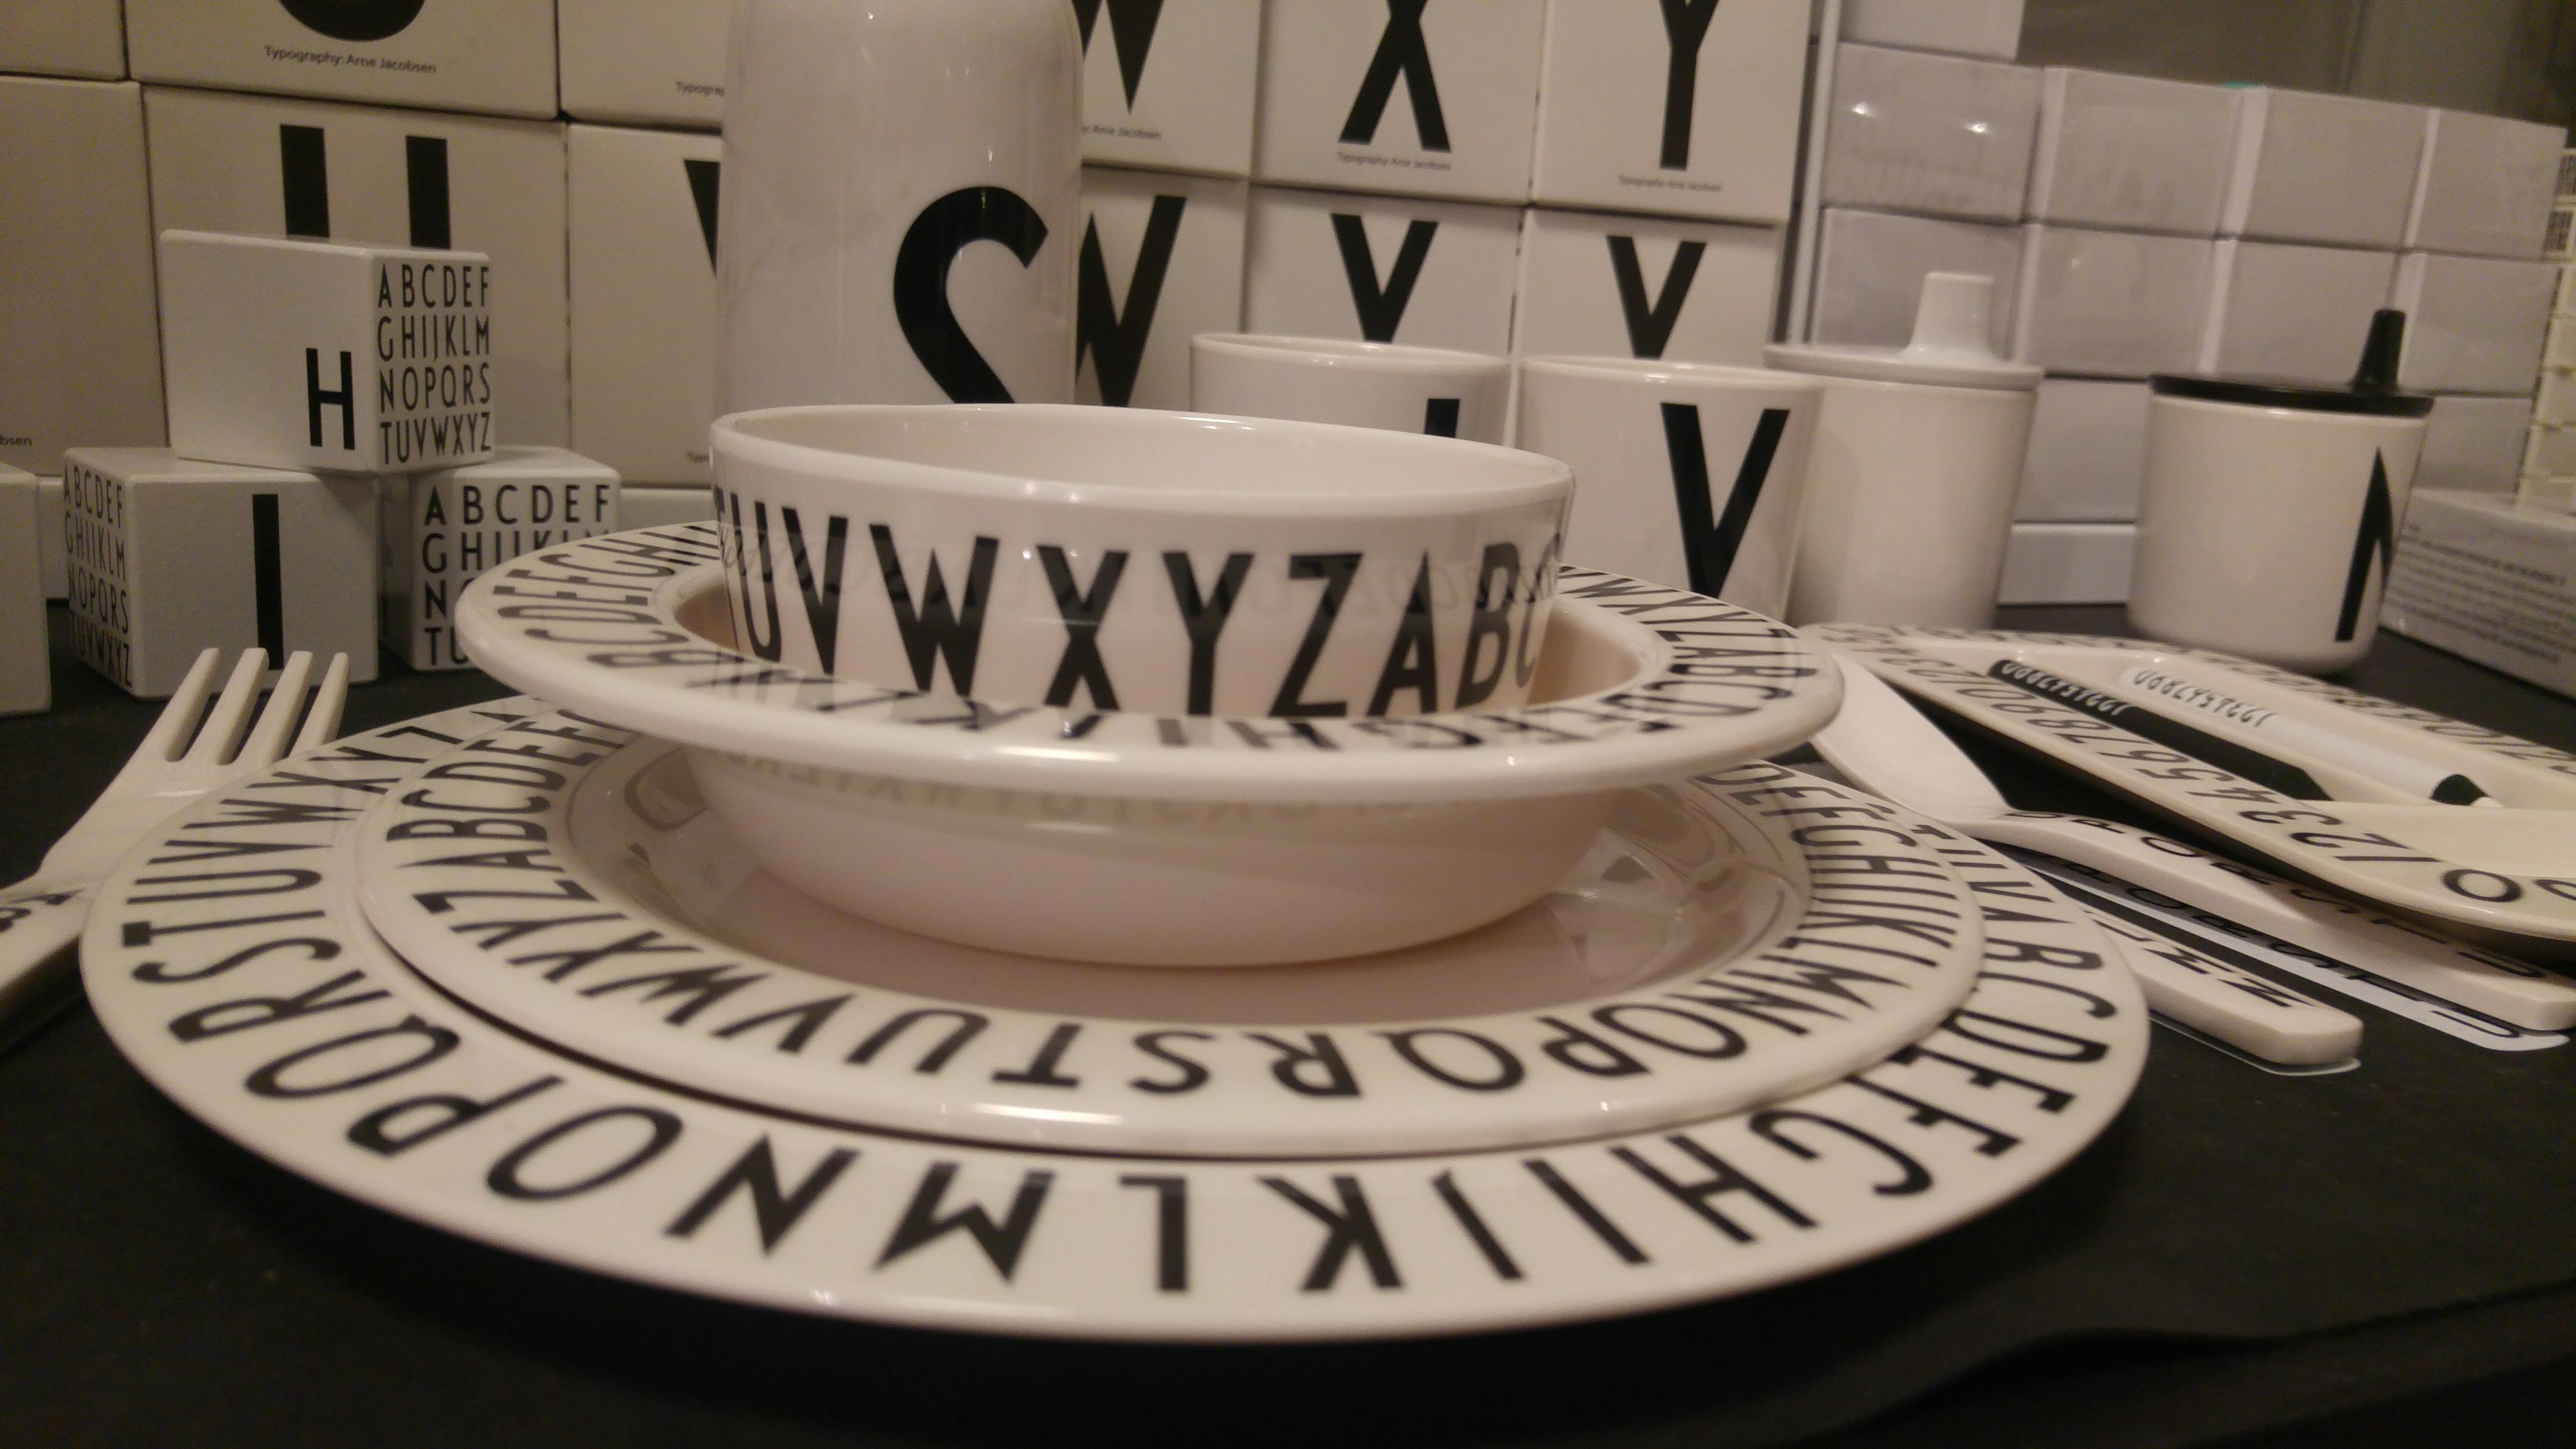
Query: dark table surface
[{"x": 2379, "y": 1257}]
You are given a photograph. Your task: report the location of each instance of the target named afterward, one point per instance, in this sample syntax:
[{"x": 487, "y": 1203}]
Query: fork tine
[
  {"x": 267, "y": 738},
  {"x": 322, "y": 722},
  {"x": 169, "y": 733},
  {"x": 231, "y": 714}
]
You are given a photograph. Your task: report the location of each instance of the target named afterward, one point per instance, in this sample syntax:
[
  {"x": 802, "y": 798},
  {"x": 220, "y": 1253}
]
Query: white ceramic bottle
[
  {"x": 901, "y": 203},
  {"x": 1911, "y": 478}
]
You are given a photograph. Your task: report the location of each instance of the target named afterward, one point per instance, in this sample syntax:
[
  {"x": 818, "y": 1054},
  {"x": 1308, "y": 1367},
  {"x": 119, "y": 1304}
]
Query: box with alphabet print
[
  {"x": 256, "y": 166},
  {"x": 464, "y": 55},
  {"x": 300, "y": 354},
  {"x": 643, "y": 217},
  {"x": 1422, "y": 97},
  {"x": 1381, "y": 269},
  {"x": 1169, "y": 84},
  {"x": 1616, "y": 286},
  {"x": 170, "y": 557},
  {"x": 650, "y": 62},
  {"x": 1689, "y": 107},
  {"x": 1162, "y": 261},
  {"x": 26, "y": 674},
  {"x": 439, "y": 529},
  {"x": 80, "y": 349}
]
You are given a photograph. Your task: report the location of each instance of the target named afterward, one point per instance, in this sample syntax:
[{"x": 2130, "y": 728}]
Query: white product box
[
  {"x": 643, "y": 247},
  {"x": 2088, "y": 452},
  {"x": 170, "y": 557},
  {"x": 2130, "y": 153},
  {"x": 1381, "y": 269},
  {"x": 2279, "y": 309},
  {"x": 657, "y": 62},
  {"x": 2111, "y": 303},
  {"x": 49, "y": 537},
  {"x": 2555, "y": 403},
  {"x": 1870, "y": 267},
  {"x": 253, "y": 165},
  {"x": 1930, "y": 133},
  {"x": 1170, "y": 85},
  {"x": 2559, "y": 351},
  {"x": 2335, "y": 170},
  {"x": 465, "y": 55},
  {"x": 2549, "y": 451},
  {"x": 661, "y": 507},
  {"x": 2485, "y": 185},
  {"x": 665, "y": 506},
  {"x": 63, "y": 37},
  {"x": 2474, "y": 444},
  {"x": 26, "y": 667},
  {"x": 2068, "y": 563},
  {"x": 2473, "y": 324},
  {"x": 1618, "y": 286},
  {"x": 439, "y": 529},
  {"x": 1162, "y": 261},
  {"x": 302, "y": 354},
  {"x": 1421, "y": 97},
  {"x": 1717, "y": 138},
  {"x": 2488, "y": 581},
  {"x": 1962, "y": 27},
  {"x": 80, "y": 346}
]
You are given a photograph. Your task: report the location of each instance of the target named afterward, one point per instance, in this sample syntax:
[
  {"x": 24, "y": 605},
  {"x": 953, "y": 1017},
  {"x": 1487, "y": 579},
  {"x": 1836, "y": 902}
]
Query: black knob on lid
[{"x": 2378, "y": 370}]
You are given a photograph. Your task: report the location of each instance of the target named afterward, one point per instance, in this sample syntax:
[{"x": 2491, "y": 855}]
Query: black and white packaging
[
  {"x": 1620, "y": 286},
  {"x": 1162, "y": 261},
  {"x": 439, "y": 529},
  {"x": 1169, "y": 85},
  {"x": 26, "y": 671},
  {"x": 643, "y": 62},
  {"x": 261, "y": 167},
  {"x": 80, "y": 357},
  {"x": 1381, "y": 269},
  {"x": 496, "y": 56},
  {"x": 643, "y": 258},
  {"x": 1420, "y": 97}
]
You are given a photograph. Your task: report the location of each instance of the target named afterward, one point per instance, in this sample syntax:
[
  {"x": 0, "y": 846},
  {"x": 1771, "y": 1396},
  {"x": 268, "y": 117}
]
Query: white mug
[
  {"x": 2269, "y": 517},
  {"x": 1361, "y": 384},
  {"x": 901, "y": 207},
  {"x": 1687, "y": 473},
  {"x": 1151, "y": 562}
]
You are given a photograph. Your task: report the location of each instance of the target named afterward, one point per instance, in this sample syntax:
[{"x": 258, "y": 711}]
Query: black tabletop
[{"x": 2375, "y": 1257}]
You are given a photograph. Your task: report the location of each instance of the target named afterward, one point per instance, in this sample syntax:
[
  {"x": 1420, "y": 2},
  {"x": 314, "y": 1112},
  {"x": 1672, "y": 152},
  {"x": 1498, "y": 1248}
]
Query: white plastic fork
[{"x": 41, "y": 917}]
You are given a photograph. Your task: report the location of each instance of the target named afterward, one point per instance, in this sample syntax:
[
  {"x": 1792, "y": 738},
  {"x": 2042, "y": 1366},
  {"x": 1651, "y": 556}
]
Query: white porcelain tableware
[
  {"x": 1122, "y": 559},
  {"x": 314, "y": 1047},
  {"x": 1918, "y": 457},
  {"x": 1690, "y": 474},
  {"x": 2501, "y": 877},
  {"x": 1362, "y": 384},
  {"x": 2269, "y": 519},
  {"x": 1700, "y": 958},
  {"x": 1460, "y": 817},
  {"x": 901, "y": 207}
]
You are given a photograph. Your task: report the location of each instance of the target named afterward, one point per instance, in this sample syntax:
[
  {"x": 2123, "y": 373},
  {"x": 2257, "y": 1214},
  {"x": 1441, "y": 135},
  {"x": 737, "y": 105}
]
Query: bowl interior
[
  {"x": 1140, "y": 458},
  {"x": 1584, "y": 651}
]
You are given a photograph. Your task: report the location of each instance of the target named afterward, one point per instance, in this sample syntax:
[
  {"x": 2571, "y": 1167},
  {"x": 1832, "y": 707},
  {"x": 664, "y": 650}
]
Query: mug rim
[
  {"x": 1674, "y": 370},
  {"x": 1436, "y": 476},
  {"x": 1343, "y": 352}
]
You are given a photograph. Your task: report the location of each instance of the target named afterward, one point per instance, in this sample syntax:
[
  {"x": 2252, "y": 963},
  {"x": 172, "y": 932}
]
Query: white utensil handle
[
  {"x": 2252, "y": 1013},
  {"x": 2316, "y": 920},
  {"x": 38, "y": 929}
]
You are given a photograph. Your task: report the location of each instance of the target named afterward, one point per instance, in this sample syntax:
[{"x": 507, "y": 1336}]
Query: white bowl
[{"x": 1142, "y": 839}]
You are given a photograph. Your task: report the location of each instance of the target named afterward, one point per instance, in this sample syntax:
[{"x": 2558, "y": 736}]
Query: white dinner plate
[
  {"x": 626, "y": 629},
  {"x": 1727, "y": 941},
  {"x": 242, "y": 980},
  {"x": 2509, "y": 873}
]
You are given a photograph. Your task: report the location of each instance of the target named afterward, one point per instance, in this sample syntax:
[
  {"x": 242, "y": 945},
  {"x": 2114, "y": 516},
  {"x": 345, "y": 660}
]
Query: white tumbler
[
  {"x": 1917, "y": 459},
  {"x": 901, "y": 203},
  {"x": 2271, "y": 510}
]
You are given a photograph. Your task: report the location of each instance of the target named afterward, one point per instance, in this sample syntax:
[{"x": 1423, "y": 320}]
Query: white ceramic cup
[
  {"x": 901, "y": 207},
  {"x": 2266, "y": 530},
  {"x": 1691, "y": 474},
  {"x": 1122, "y": 559},
  {"x": 1361, "y": 384}
]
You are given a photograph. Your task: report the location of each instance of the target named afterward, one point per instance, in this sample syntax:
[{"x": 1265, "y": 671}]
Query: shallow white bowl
[{"x": 1145, "y": 840}]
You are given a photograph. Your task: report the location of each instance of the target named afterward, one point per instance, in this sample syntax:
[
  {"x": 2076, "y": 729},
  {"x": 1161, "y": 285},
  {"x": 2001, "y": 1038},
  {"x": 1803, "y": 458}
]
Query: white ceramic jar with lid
[{"x": 1917, "y": 457}]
